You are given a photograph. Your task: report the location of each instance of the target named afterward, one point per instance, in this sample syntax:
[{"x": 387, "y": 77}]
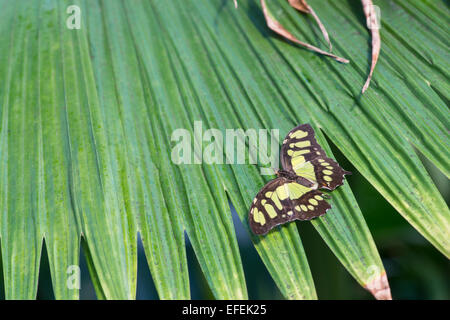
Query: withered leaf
[
  {"x": 275, "y": 26},
  {"x": 372, "y": 24},
  {"x": 300, "y": 5},
  {"x": 303, "y": 6}
]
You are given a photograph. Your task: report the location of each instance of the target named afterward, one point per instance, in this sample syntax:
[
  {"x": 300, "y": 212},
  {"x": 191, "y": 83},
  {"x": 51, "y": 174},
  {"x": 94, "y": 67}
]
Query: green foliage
[{"x": 86, "y": 118}]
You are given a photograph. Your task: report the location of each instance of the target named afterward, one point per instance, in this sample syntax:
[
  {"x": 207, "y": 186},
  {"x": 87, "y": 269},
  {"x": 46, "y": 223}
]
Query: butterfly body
[
  {"x": 295, "y": 178},
  {"x": 295, "y": 194}
]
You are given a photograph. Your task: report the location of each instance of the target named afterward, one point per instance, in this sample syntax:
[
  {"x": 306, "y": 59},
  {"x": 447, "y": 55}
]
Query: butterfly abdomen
[
  {"x": 286, "y": 174},
  {"x": 295, "y": 178}
]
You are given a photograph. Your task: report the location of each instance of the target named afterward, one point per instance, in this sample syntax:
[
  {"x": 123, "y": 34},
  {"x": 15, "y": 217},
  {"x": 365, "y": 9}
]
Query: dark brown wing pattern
[
  {"x": 281, "y": 201},
  {"x": 302, "y": 155}
]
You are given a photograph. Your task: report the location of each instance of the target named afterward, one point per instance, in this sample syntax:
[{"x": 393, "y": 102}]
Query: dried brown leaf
[
  {"x": 372, "y": 24},
  {"x": 300, "y": 5},
  {"x": 275, "y": 26},
  {"x": 303, "y": 6}
]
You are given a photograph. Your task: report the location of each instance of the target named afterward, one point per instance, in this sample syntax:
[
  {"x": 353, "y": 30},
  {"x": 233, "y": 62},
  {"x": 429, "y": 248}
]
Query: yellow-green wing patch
[
  {"x": 302, "y": 155},
  {"x": 281, "y": 201},
  {"x": 299, "y": 147},
  {"x": 329, "y": 175}
]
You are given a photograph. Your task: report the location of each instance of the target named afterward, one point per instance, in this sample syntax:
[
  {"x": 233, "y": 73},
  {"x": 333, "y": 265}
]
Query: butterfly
[{"x": 294, "y": 194}]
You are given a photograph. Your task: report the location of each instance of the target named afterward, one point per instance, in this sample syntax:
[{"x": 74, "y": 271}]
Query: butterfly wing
[
  {"x": 281, "y": 201},
  {"x": 302, "y": 155}
]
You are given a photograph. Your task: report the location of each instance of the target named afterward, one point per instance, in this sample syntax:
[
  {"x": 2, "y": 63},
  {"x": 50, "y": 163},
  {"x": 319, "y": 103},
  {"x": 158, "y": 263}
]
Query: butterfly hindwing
[
  {"x": 302, "y": 155},
  {"x": 307, "y": 203},
  {"x": 329, "y": 174},
  {"x": 281, "y": 201}
]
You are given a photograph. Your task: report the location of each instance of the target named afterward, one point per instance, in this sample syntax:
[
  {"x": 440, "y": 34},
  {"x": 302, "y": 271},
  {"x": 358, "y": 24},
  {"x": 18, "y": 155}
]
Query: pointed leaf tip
[{"x": 379, "y": 287}]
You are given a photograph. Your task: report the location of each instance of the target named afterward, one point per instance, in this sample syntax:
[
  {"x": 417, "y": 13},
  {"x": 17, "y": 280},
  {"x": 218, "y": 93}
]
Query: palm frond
[{"x": 86, "y": 118}]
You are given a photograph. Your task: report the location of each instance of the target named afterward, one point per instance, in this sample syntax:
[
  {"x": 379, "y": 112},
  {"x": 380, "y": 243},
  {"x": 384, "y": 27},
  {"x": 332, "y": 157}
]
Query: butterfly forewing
[
  {"x": 281, "y": 201},
  {"x": 302, "y": 155},
  {"x": 300, "y": 146}
]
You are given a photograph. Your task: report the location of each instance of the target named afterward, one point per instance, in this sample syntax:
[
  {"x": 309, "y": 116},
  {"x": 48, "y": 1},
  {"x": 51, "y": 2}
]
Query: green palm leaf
[{"x": 86, "y": 119}]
